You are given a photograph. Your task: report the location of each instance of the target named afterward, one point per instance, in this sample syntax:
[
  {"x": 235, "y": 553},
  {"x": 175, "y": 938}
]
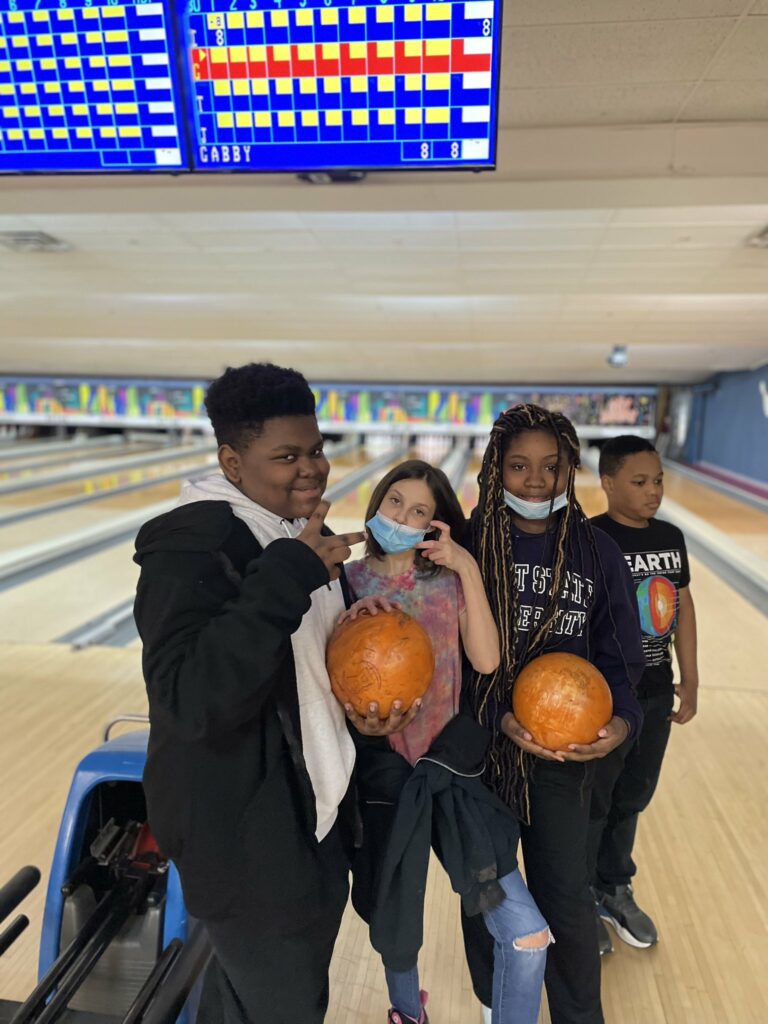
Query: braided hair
[{"x": 492, "y": 535}]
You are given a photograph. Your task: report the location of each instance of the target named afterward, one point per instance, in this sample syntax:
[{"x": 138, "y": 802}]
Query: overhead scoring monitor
[
  {"x": 303, "y": 85},
  {"x": 89, "y": 85}
]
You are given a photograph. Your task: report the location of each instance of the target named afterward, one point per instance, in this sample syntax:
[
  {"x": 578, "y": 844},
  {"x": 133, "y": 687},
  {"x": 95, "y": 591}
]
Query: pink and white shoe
[{"x": 395, "y": 1017}]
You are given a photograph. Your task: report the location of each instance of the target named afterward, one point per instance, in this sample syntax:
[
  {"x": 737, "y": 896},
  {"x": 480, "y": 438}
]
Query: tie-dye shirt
[{"x": 435, "y": 602}]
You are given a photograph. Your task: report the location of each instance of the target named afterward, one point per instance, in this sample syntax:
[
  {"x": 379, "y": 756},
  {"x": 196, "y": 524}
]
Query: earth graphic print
[{"x": 657, "y": 601}]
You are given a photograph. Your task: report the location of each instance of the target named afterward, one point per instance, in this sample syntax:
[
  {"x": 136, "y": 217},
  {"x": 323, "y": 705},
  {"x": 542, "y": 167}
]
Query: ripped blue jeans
[{"x": 518, "y": 974}]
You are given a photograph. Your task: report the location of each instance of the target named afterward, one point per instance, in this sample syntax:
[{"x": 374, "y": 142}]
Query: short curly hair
[{"x": 244, "y": 397}]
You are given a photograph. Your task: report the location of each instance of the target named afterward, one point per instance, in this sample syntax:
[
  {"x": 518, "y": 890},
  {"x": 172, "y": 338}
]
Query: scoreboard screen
[
  {"x": 89, "y": 85},
  {"x": 302, "y": 85}
]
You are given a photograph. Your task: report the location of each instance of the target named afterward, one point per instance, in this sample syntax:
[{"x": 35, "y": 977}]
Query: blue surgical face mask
[
  {"x": 534, "y": 509},
  {"x": 392, "y": 537}
]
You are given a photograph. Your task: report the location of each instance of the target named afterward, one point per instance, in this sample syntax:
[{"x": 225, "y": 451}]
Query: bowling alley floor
[{"x": 701, "y": 846}]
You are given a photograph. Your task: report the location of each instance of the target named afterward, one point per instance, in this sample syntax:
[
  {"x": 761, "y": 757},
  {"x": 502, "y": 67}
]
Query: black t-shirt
[{"x": 658, "y": 561}]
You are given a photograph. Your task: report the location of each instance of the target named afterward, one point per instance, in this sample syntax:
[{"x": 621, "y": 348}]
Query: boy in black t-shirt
[{"x": 632, "y": 478}]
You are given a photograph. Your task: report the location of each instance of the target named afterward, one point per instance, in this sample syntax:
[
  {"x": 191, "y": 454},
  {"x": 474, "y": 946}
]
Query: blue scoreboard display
[
  {"x": 89, "y": 85},
  {"x": 301, "y": 85}
]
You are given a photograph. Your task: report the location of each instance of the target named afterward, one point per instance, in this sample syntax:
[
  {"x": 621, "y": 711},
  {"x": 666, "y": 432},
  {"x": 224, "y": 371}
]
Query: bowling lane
[
  {"x": 51, "y": 605},
  {"x": 54, "y": 463}
]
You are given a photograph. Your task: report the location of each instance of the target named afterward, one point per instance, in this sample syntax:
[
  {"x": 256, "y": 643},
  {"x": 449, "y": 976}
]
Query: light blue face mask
[
  {"x": 534, "y": 509},
  {"x": 392, "y": 537}
]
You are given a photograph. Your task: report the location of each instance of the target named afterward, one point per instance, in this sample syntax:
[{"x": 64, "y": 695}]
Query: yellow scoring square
[
  {"x": 260, "y": 87},
  {"x": 44, "y": 40},
  {"x": 262, "y": 119},
  {"x": 253, "y": 19},
  {"x": 112, "y": 12},
  {"x": 80, "y": 110},
  {"x": 240, "y": 87},
  {"x": 15, "y": 134},
  {"x": 386, "y": 117},
  {"x": 71, "y": 62},
  {"x": 40, "y": 15},
  {"x": 93, "y": 38},
  {"x": 107, "y": 133},
  {"x": 304, "y": 18},
  {"x": 119, "y": 60},
  {"x": 412, "y": 48},
  {"x": 225, "y": 120},
  {"x": 413, "y": 115},
  {"x": 356, "y": 15},
  {"x": 15, "y": 18},
  {"x": 279, "y": 19},
  {"x": 221, "y": 88},
  {"x": 438, "y": 115},
  {"x": 122, "y": 85},
  {"x": 413, "y": 12},
  {"x": 329, "y": 18},
  {"x": 332, "y": 85},
  {"x": 69, "y": 39},
  {"x": 237, "y": 54},
  {"x": 281, "y": 53},
  {"x": 243, "y": 119},
  {"x": 60, "y": 133},
  {"x": 76, "y": 86},
  {"x": 28, "y": 89},
  {"x": 49, "y": 64},
  {"x": 11, "y": 112},
  {"x": 6, "y": 90},
  {"x": 215, "y": 21},
  {"x": 412, "y": 83},
  {"x": 236, "y": 19},
  {"x": 333, "y": 117},
  {"x": 52, "y": 87},
  {"x": 385, "y": 14},
  {"x": 437, "y": 82},
  {"x": 65, "y": 15},
  {"x": 90, "y": 12},
  {"x": 386, "y": 83},
  {"x": 5, "y": 66},
  {"x": 359, "y": 83},
  {"x": 310, "y": 119},
  {"x": 286, "y": 118},
  {"x": 357, "y": 50},
  {"x": 126, "y": 108},
  {"x": 97, "y": 62},
  {"x": 218, "y": 54},
  {"x": 56, "y": 111},
  {"x": 104, "y": 109},
  {"x": 116, "y": 36},
  {"x": 102, "y": 86},
  {"x": 331, "y": 51},
  {"x": 84, "y": 133},
  {"x": 308, "y": 85},
  {"x": 305, "y": 51},
  {"x": 31, "y": 111},
  {"x": 359, "y": 117},
  {"x": 20, "y": 41},
  {"x": 26, "y": 65},
  {"x": 36, "y": 133},
  {"x": 257, "y": 54},
  {"x": 386, "y": 49},
  {"x": 284, "y": 86},
  {"x": 438, "y": 47},
  {"x": 439, "y": 12},
  {"x": 130, "y": 132}
]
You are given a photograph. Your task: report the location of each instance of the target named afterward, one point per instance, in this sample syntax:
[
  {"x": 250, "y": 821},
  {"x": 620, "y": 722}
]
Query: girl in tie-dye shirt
[{"x": 413, "y": 562}]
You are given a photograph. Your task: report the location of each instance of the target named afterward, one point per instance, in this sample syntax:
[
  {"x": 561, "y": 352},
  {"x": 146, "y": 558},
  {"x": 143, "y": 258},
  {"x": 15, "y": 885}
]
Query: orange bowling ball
[
  {"x": 383, "y": 657},
  {"x": 562, "y": 699}
]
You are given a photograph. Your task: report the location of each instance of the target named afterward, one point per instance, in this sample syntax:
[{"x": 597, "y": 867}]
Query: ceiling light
[{"x": 618, "y": 357}]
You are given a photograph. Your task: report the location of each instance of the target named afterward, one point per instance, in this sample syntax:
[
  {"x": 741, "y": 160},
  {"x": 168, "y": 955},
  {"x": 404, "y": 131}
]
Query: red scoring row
[{"x": 455, "y": 62}]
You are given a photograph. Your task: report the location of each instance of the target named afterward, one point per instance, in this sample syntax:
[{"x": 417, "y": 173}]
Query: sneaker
[
  {"x": 604, "y": 943},
  {"x": 632, "y": 925},
  {"x": 395, "y": 1017}
]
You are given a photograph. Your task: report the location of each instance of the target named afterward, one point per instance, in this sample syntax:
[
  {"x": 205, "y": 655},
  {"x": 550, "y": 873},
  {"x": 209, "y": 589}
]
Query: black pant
[
  {"x": 272, "y": 968},
  {"x": 554, "y": 850},
  {"x": 625, "y": 781}
]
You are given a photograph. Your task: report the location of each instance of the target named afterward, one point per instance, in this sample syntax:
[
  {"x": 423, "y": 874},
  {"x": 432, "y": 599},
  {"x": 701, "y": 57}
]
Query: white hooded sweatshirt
[{"x": 328, "y": 748}]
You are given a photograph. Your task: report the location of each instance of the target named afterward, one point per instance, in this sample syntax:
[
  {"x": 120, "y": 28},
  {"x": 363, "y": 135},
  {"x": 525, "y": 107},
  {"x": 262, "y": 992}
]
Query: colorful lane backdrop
[
  {"x": 180, "y": 403},
  {"x": 296, "y": 85},
  {"x": 89, "y": 85}
]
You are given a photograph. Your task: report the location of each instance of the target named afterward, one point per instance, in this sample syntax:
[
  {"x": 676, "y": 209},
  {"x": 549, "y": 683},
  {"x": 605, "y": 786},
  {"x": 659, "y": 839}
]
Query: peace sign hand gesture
[
  {"x": 331, "y": 550},
  {"x": 443, "y": 551}
]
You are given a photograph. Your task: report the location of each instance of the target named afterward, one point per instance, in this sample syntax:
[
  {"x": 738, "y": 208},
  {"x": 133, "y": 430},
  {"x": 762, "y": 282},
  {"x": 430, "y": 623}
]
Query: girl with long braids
[{"x": 554, "y": 584}]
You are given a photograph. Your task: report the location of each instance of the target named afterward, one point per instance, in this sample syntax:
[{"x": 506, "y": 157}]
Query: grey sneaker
[
  {"x": 604, "y": 943},
  {"x": 632, "y": 925}
]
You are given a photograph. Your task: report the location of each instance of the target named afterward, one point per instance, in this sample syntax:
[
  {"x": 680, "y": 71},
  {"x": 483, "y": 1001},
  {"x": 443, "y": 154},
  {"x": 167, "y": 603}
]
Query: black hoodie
[{"x": 228, "y": 794}]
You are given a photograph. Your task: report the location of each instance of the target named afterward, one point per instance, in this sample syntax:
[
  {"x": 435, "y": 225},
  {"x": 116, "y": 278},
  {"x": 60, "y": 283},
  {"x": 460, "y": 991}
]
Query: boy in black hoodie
[{"x": 249, "y": 759}]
